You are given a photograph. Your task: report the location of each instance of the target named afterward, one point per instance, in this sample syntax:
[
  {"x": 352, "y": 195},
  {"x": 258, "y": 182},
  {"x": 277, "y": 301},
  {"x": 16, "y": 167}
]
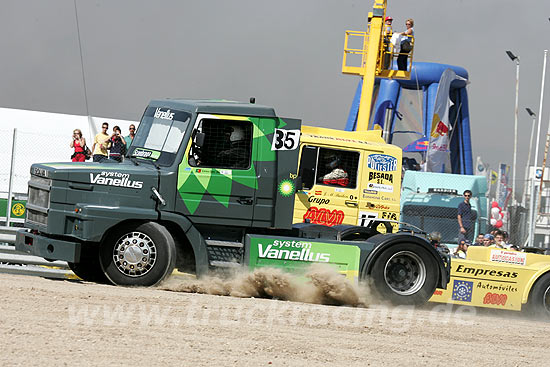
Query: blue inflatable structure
[{"x": 425, "y": 78}]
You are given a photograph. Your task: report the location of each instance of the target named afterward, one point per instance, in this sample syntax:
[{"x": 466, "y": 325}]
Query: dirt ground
[{"x": 53, "y": 322}]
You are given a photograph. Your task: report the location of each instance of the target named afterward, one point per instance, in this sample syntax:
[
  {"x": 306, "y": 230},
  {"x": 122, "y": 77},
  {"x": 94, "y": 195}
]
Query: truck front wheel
[
  {"x": 89, "y": 268},
  {"x": 138, "y": 255},
  {"x": 405, "y": 274}
]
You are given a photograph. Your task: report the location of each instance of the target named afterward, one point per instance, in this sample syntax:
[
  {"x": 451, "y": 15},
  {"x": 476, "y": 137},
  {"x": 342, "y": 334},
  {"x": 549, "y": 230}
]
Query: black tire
[
  {"x": 89, "y": 268},
  {"x": 405, "y": 274},
  {"x": 539, "y": 298},
  {"x": 138, "y": 255}
]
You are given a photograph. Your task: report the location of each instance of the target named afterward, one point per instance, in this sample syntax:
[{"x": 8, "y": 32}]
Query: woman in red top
[{"x": 78, "y": 143}]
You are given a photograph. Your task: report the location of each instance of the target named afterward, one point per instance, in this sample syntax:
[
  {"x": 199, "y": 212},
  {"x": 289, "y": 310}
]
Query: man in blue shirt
[{"x": 466, "y": 217}]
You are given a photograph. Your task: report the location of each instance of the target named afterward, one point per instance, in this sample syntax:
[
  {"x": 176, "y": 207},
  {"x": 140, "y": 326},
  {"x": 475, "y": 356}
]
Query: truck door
[
  {"x": 217, "y": 178},
  {"x": 329, "y": 194}
]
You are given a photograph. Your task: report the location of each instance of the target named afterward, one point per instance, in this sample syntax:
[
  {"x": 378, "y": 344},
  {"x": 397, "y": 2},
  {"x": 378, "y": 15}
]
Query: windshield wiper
[{"x": 135, "y": 161}]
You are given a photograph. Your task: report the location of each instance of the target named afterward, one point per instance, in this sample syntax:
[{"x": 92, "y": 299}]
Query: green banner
[{"x": 295, "y": 254}]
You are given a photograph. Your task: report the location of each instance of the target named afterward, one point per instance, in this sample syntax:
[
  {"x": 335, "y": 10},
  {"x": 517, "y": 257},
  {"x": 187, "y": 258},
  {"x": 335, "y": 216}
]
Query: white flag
[{"x": 438, "y": 149}]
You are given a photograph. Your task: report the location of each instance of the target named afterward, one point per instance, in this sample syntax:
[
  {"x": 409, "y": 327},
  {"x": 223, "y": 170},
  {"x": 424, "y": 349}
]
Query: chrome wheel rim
[
  {"x": 134, "y": 254},
  {"x": 405, "y": 273}
]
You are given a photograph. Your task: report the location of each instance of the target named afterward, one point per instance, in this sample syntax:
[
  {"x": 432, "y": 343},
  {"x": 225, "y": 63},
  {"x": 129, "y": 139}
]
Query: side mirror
[{"x": 199, "y": 139}]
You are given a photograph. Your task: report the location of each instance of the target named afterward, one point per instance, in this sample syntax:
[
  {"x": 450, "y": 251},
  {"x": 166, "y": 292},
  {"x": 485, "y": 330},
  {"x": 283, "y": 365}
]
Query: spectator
[
  {"x": 118, "y": 145},
  {"x": 488, "y": 240},
  {"x": 462, "y": 249},
  {"x": 435, "y": 240},
  {"x": 499, "y": 240},
  {"x": 406, "y": 45},
  {"x": 130, "y": 137},
  {"x": 337, "y": 176},
  {"x": 387, "y": 36},
  {"x": 101, "y": 144},
  {"x": 479, "y": 240},
  {"x": 387, "y": 27},
  {"x": 79, "y": 145},
  {"x": 466, "y": 217}
]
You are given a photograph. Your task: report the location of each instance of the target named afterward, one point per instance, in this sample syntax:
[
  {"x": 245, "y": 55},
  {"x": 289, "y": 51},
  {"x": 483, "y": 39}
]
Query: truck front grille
[{"x": 38, "y": 202}]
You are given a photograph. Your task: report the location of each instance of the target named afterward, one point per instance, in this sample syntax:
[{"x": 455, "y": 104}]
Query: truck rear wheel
[
  {"x": 405, "y": 274},
  {"x": 138, "y": 255},
  {"x": 539, "y": 298}
]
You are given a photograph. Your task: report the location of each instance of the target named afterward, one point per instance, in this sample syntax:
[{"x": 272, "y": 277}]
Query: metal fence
[{"x": 20, "y": 150}]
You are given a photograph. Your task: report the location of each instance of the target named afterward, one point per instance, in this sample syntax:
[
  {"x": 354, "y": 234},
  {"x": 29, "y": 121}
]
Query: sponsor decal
[
  {"x": 275, "y": 251},
  {"x": 115, "y": 179},
  {"x": 438, "y": 292},
  {"x": 324, "y": 216},
  {"x": 165, "y": 115},
  {"x": 365, "y": 218},
  {"x": 286, "y": 188},
  {"x": 380, "y": 177},
  {"x": 382, "y": 162},
  {"x": 225, "y": 171},
  {"x": 389, "y": 215},
  {"x": 338, "y": 189},
  {"x": 501, "y": 288},
  {"x": 18, "y": 209},
  {"x": 145, "y": 153},
  {"x": 475, "y": 271},
  {"x": 380, "y": 187},
  {"x": 508, "y": 257},
  {"x": 495, "y": 299},
  {"x": 462, "y": 290},
  {"x": 320, "y": 201},
  {"x": 371, "y": 192}
]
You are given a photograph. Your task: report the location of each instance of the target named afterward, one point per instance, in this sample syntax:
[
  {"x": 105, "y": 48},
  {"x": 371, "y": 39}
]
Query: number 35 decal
[{"x": 285, "y": 139}]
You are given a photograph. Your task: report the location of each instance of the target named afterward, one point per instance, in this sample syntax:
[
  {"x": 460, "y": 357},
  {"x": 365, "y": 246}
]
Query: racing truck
[{"x": 209, "y": 185}]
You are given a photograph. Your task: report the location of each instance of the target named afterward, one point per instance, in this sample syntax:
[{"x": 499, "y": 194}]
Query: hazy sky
[{"x": 285, "y": 53}]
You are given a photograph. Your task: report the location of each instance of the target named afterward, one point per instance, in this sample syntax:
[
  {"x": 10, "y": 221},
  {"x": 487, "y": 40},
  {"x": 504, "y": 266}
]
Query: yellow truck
[
  {"x": 501, "y": 279},
  {"x": 347, "y": 178}
]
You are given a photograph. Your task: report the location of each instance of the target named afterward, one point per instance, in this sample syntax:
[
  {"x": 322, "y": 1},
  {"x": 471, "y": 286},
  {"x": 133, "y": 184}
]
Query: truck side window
[
  {"x": 224, "y": 144},
  {"x": 337, "y": 168}
]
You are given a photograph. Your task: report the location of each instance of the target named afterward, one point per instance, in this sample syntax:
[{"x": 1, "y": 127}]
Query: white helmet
[{"x": 237, "y": 134}]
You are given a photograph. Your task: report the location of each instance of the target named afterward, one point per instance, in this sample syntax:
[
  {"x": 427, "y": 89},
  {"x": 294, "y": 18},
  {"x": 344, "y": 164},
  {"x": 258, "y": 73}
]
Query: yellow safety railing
[{"x": 386, "y": 55}]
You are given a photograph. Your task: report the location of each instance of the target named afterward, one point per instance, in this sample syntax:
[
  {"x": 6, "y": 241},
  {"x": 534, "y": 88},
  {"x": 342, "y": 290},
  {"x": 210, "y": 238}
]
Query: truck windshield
[{"x": 159, "y": 135}]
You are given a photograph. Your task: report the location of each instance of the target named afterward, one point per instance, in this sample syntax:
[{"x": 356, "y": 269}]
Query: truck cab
[{"x": 347, "y": 178}]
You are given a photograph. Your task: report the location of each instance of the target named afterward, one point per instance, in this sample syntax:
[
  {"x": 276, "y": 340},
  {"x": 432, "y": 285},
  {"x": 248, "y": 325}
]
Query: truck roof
[
  {"x": 351, "y": 139},
  {"x": 421, "y": 182},
  {"x": 216, "y": 106}
]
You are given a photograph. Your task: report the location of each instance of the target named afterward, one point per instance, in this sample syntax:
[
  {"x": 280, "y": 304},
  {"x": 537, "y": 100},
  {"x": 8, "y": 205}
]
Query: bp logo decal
[{"x": 286, "y": 188}]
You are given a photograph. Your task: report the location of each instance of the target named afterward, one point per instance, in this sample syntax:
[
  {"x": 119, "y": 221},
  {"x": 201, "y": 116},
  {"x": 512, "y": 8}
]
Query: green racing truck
[{"x": 210, "y": 185}]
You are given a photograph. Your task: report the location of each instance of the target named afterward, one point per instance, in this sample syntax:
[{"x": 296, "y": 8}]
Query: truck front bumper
[{"x": 46, "y": 247}]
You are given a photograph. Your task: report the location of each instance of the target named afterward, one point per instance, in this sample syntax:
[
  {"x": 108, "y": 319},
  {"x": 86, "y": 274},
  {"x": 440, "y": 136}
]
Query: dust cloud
[{"x": 322, "y": 285}]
